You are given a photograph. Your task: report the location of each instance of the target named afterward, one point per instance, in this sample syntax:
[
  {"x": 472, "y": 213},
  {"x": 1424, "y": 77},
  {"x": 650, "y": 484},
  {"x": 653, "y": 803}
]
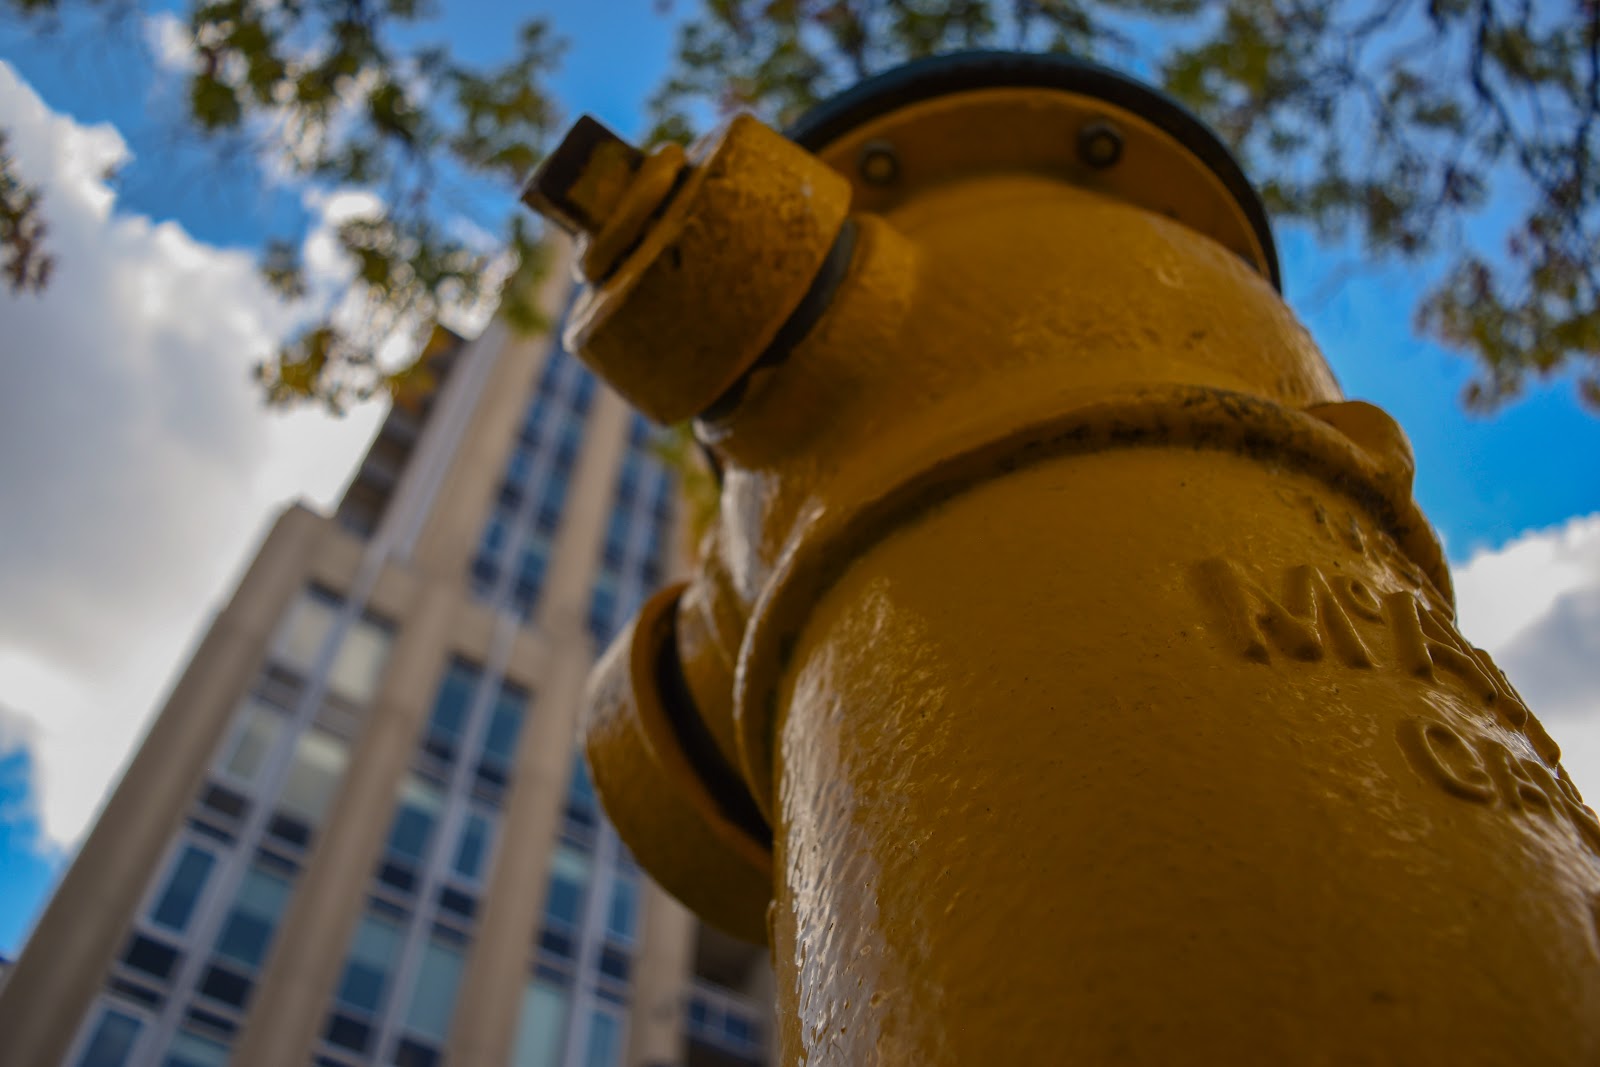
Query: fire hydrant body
[{"x": 1069, "y": 677}]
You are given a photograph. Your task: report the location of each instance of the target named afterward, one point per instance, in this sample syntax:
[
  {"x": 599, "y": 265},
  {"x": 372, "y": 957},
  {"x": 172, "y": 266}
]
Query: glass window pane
[
  {"x": 183, "y": 888},
  {"x": 304, "y": 628},
  {"x": 192, "y": 1050},
  {"x": 248, "y": 930},
  {"x": 259, "y": 727},
  {"x": 530, "y": 570},
  {"x": 605, "y": 1041},
  {"x": 474, "y": 845},
  {"x": 505, "y": 725},
  {"x": 569, "y": 876},
  {"x": 416, "y": 812},
  {"x": 112, "y": 1041},
  {"x": 453, "y": 701},
  {"x": 541, "y": 1026},
  {"x": 355, "y": 672},
  {"x": 319, "y": 760},
  {"x": 367, "y": 969},
  {"x": 580, "y": 788},
  {"x": 624, "y": 906},
  {"x": 433, "y": 999}
]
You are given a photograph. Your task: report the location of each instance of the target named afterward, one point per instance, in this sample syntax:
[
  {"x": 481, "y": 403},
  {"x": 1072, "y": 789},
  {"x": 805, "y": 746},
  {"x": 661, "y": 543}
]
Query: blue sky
[{"x": 181, "y": 499}]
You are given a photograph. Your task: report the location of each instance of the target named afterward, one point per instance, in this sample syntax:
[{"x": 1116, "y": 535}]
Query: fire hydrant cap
[{"x": 962, "y": 72}]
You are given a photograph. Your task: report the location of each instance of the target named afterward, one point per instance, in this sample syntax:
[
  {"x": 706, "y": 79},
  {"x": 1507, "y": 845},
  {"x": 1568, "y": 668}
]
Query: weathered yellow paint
[
  {"x": 1082, "y": 647},
  {"x": 751, "y": 223},
  {"x": 632, "y": 212}
]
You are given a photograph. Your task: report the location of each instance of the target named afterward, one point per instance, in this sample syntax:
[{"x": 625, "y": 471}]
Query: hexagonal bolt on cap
[{"x": 580, "y": 184}]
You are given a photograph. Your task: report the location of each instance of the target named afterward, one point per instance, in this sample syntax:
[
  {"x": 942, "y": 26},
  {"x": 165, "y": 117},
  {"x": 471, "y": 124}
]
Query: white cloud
[
  {"x": 1502, "y": 592},
  {"x": 169, "y": 42},
  {"x": 137, "y": 464},
  {"x": 1534, "y": 603}
]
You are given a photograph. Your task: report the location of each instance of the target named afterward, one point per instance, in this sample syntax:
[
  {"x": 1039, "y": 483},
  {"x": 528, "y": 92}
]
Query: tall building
[{"x": 358, "y": 832}]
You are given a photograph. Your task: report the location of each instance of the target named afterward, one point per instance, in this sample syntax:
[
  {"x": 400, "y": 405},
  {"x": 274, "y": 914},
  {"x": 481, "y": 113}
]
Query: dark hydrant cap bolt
[
  {"x": 879, "y": 163},
  {"x": 1100, "y": 144}
]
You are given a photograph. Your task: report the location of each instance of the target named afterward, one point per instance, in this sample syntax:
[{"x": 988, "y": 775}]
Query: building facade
[{"x": 358, "y": 832}]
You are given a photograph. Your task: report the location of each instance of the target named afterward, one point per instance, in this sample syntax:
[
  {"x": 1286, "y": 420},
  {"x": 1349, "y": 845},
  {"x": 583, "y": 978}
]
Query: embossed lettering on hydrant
[
  {"x": 1312, "y": 617},
  {"x": 1315, "y": 615}
]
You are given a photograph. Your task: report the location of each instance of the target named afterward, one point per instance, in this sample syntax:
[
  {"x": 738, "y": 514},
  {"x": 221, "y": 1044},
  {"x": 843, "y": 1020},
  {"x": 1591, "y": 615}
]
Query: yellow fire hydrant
[{"x": 1069, "y": 677}]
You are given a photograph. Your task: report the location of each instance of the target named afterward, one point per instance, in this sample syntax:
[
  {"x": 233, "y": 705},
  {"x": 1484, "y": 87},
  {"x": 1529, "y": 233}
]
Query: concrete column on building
[
  {"x": 297, "y": 984},
  {"x": 75, "y": 941},
  {"x": 484, "y": 1027},
  {"x": 466, "y": 490},
  {"x": 664, "y": 969},
  {"x": 564, "y": 603}
]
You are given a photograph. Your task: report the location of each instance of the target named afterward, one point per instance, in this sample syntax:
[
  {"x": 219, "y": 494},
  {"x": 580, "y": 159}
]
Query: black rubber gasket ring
[
  {"x": 961, "y": 72},
  {"x": 817, "y": 299}
]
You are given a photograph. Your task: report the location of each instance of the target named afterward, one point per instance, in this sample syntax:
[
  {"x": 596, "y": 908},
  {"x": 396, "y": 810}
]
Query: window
[
  {"x": 533, "y": 421},
  {"x": 628, "y": 481},
  {"x": 605, "y": 1041},
  {"x": 225, "y": 987},
  {"x": 305, "y": 628},
  {"x": 224, "y": 802},
  {"x": 188, "y": 878},
  {"x": 433, "y": 998},
  {"x": 556, "y": 944},
  {"x": 505, "y": 725},
  {"x": 624, "y": 907},
  {"x": 366, "y": 969},
  {"x": 541, "y": 1025},
  {"x": 583, "y": 395},
  {"x": 416, "y": 813},
  {"x": 249, "y": 927},
  {"x": 638, "y": 431},
  {"x": 550, "y": 501},
  {"x": 723, "y": 1021},
  {"x": 614, "y": 965},
  {"x": 135, "y": 992},
  {"x": 602, "y": 609},
  {"x": 500, "y": 744},
  {"x": 494, "y": 536},
  {"x": 484, "y": 572},
  {"x": 416, "y": 1054},
  {"x": 362, "y": 655},
  {"x": 259, "y": 726},
  {"x": 309, "y": 625},
  {"x": 567, "y": 446},
  {"x": 319, "y": 760},
  {"x": 580, "y": 788},
  {"x": 530, "y": 577},
  {"x": 472, "y": 846},
  {"x": 458, "y": 905},
  {"x": 569, "y": 877},
  {"x": 521, "y": 466},
  {"x": 450, "y": 708},
  {"x": 348, "y": 1033},
  {"x": 112, "y": 1041},
  {"x": 150, "y": 956},
  {"x": 550, "y": 376},
  {"x": 189, "y": 1049}
]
